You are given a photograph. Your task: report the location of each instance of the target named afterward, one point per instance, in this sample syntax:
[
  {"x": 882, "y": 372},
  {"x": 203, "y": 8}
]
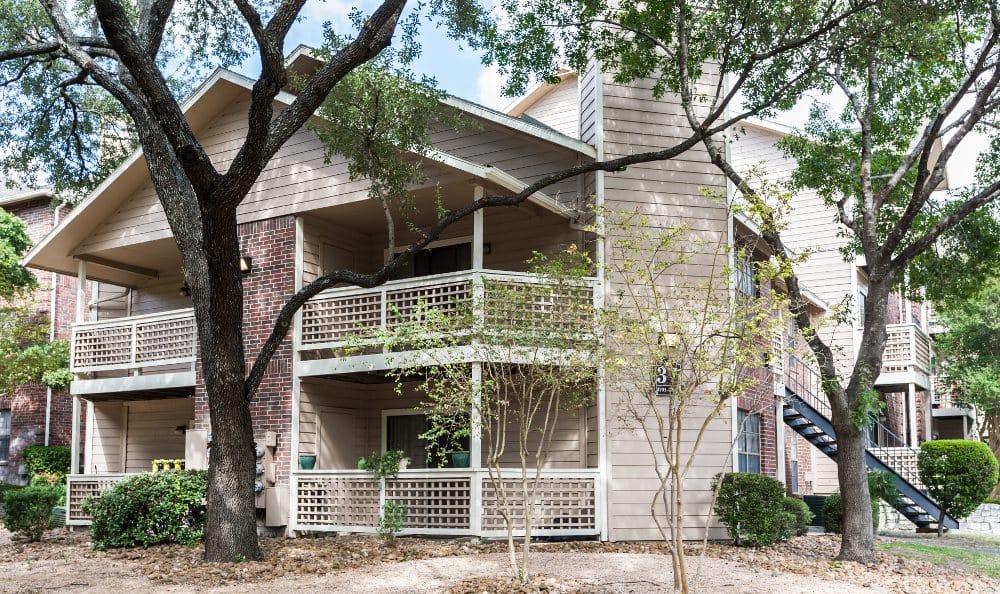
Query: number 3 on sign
[{"x": 662, "y": 387}]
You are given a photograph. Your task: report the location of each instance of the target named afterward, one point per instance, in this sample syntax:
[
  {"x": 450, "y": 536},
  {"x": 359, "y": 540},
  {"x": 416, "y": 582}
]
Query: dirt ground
[{"x": 66, "y": 562}]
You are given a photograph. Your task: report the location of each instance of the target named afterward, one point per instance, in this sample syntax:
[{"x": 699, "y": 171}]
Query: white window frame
[
  {"x": 740, "y": 451},
  {"x": 6, "y": 455}
]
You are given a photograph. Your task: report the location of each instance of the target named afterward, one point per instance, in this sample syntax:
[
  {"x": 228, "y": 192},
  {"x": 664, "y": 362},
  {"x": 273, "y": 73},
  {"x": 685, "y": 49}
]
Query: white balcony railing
[
  {"x": 906, "y": 346},
  {"x": 445, "y": 501},
  {"x": 338, "y": 316},
  {"x": 135, "y": 342}
]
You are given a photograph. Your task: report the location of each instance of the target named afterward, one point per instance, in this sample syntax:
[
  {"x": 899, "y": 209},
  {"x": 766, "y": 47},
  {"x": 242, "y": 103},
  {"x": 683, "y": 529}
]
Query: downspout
[
  {"x": 599, "y": 256},
  {"x": 54, "y": 284}
]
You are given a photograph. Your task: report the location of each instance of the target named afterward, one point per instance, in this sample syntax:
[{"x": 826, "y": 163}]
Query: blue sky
[{"x": 458, "y": 70}]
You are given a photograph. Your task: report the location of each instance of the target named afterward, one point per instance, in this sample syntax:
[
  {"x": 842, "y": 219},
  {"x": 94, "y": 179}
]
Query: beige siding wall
[
  {"x": 319, "y": 396},
  {"x": 152, "y": 431},
  {"x": 559, "y": 108},
  {"x": 811, "y": 228},
  {"x": 106, "y": 441},
  {"x": 299, "y": 178},
  {"x": 671, "y": 193},
  {"x": 568, "y": 448},
  {"x": 825, "y": 479},
  {"x": 148, "y": 429}
]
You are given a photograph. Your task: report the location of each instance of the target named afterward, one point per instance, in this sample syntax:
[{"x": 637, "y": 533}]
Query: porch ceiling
[
  {"x": 134, "y": 265},
  {"x": 163, "y": 394},
  {"x": 366, "y": 216}
]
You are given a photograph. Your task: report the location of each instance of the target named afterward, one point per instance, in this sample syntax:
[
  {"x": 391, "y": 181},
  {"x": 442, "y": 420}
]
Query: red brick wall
[
  {"x": 27, "y": 404},
  {"x": 271, "y": 245}
]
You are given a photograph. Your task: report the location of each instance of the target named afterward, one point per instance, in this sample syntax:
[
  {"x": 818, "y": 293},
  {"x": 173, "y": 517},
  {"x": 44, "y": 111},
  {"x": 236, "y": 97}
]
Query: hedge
[
  {"x": 51, "y": 460},
  {"x": 752, "y": 507},
  {"x": 27, "y": 511},
  {"x": 800, "y": 516},
  {"x": 150, "y": 509},
  {"x": 959, "y": 475}
]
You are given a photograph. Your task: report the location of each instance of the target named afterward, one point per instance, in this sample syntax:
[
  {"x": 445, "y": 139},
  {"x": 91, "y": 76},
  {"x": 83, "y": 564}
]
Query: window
[
  {"x": 438, "y": 260},
  {"x": 403, "y": 431},
  {"x": 862, "y": 303},
  {"x": 748, "y": 442},
  {"x": 746, "y": 285},
  {"x": 4, "y": 435}
]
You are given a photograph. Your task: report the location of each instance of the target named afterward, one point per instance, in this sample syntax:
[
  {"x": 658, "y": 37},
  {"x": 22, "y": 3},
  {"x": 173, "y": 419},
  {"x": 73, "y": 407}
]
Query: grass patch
[{"x": 979, "y": 561}]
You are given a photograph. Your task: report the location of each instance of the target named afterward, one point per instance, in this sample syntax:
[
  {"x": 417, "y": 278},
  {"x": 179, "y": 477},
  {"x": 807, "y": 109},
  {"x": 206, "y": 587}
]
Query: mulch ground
[{"x": 181, "y": 565}]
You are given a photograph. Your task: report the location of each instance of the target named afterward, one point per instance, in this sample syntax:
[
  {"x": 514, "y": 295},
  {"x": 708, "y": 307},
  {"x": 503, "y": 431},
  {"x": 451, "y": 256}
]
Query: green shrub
[
  {"x": 4, "y": 487},
  {"x": 958, "y": 474},
  {"x": 751, "y": 506},
  {"x": 392, "y": 520},
  {"x": 27, "y": 511},
  {"x": 51, "y": 460},
  {"x": 800, "y": 516},
  {"x": 150, "y": 509},
  {"x": 833, "y": 513}
]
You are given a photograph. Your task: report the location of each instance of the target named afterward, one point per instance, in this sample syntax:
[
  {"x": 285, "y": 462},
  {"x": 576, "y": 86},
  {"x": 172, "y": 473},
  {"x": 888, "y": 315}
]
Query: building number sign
[{"x": 662, "y": 384}]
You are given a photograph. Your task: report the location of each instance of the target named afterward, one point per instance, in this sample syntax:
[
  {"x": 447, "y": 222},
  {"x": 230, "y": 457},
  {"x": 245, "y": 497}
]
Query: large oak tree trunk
[{"x": 216, "y": 285}]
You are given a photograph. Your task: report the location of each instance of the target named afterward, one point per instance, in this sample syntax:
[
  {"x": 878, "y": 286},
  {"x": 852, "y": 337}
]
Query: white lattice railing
[
  {"x": 445, "y": 501},
  {"x": 906, "y": 346},
  {"x": 135, "y": 342},
  {"x": 338, "y": 316},
  {"x": 79, "y": 487}
]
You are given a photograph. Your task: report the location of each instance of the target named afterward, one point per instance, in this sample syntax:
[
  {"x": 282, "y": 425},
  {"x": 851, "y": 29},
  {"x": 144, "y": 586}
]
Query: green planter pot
[
  {"x": 307, "y": 462},
  {"x": 459, "y": 459}
]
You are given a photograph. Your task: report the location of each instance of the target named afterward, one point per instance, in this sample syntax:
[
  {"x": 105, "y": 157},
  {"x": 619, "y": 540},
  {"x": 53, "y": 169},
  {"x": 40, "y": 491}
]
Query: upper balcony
[
  {"x": 346, "y": 316},
  {"x": 906, "y": 358},
  {"x": 155, "y": 351}
]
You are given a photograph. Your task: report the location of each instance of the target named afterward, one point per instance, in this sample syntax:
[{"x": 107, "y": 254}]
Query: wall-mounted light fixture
[{"x": 246, "y": 264}]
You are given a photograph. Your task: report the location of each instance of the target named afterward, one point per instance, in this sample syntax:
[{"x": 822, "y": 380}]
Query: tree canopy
[{"x": 14, "y": 278}]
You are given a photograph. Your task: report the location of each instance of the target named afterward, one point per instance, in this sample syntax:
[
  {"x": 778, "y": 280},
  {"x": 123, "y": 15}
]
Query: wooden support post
[
  {"x": 477, "y": 232},
  {"x": 75, "y": 432},
  {"x": 911, "y": 413},
  {"x": 81, "y": 291}
]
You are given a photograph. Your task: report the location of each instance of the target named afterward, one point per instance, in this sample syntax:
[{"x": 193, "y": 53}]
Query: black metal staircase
[{"x": 809, "y": 415}]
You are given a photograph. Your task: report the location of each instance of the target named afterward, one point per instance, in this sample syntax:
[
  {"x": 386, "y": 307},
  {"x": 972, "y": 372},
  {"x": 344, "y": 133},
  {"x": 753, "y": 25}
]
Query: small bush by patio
[
  {"x": 27, "y": 511},
  {"x": 48, "y": 460},
  {"x": 800, "y": 516},
  {"x": 150, "y": 509},
  {"x": 752, "y": 507},
  {"x": 833, "y": 513},
  {"x": 959, "y": 474}
]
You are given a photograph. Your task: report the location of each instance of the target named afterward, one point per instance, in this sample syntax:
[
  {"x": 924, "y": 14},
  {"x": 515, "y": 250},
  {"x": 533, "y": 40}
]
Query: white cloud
[{"x": 488, "y": 87}]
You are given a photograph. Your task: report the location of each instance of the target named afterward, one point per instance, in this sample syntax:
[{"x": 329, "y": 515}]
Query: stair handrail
[{"x": 883, "y": 442}]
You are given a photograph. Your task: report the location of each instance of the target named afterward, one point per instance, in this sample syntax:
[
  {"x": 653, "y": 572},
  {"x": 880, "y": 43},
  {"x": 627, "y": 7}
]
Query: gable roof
[
  {"x": 303, "y": 60},
  {"x": 21, "y": 195},
  {"x": 55, "y": 251}
]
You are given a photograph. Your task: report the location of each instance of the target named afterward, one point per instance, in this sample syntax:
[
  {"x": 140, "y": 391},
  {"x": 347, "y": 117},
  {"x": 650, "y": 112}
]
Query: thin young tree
[
  {"x": 533, "y": 344},
  {"x": 679, "y": 350}
]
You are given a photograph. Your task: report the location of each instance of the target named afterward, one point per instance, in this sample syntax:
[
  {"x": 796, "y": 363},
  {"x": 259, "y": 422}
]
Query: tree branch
[
  {"x": 163, "y": 108},
  {"x": 374, "y": 36}
]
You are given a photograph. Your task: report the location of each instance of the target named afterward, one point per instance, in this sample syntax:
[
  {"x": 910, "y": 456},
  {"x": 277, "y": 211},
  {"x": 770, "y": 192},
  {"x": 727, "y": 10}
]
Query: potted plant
[
  {"x": 447, "y": 440},
  {"x": 307, "y": 462}
]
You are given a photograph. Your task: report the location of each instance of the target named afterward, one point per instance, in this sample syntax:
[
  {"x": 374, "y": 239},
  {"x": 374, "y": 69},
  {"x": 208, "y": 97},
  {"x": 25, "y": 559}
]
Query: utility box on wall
[
  {"x": 277, "y": 506},
  {"x": 196, "y": 449}
]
